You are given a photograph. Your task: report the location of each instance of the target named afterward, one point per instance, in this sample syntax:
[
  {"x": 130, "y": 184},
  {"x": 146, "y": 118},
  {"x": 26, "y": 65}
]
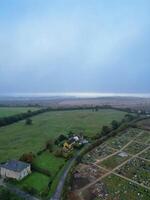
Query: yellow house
[{"x": 68, "y": 146}]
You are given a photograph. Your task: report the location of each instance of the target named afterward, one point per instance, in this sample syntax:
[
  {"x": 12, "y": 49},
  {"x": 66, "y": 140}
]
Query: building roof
[{"x": 15, "y": 165}]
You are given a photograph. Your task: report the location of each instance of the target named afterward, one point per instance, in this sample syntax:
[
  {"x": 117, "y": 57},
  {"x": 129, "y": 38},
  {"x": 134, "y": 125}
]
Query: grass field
[
  {"x": 49, "y": 162},
  {"x": 36, "y": 180},
  {"x": 19, "y": 138},
  {"x": 9, "y": 111}
]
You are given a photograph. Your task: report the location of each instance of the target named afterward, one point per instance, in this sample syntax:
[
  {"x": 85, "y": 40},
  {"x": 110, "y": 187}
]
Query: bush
[
  {"x": 29, "y": 157},
  {"x": 41, "y": 170},
  {"x": 58, "y": 153},
  {"x": 30, "y": 190},
  {"x": 49, "y": 145},
  {"x": 28, "y": 121}
]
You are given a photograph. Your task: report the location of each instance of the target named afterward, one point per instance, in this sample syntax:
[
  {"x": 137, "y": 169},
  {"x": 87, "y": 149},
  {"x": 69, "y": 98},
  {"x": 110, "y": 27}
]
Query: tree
[
  {"x": 129, "y": 117},
  {"x": 28, "y": 121},
  {"x": 71, "y": 133},
  {"x": 114, "y": 124},
  {"x": 58, "y": 153},
  {"x": 28, "y": 157},
  {"x": 49, "y": 145},
  {"x": 105, "y": 130}
]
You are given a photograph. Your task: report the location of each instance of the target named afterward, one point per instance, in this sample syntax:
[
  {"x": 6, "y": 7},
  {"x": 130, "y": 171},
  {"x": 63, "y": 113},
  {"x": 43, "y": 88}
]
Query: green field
[
  {"x": 49, "y": 162},
  {"x": 9, "y": 111},
  {"x": 37, "y": 181},
  {"x": 19, "y": 138}
]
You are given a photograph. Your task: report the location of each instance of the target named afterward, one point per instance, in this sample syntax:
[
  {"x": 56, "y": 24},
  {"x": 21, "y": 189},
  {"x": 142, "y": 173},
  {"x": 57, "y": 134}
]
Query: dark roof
[{"x": 15, "y": 165}]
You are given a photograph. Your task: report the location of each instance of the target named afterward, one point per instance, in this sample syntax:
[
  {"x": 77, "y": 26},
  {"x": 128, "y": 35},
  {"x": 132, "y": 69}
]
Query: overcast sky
[{"x": 74, "y": 46}]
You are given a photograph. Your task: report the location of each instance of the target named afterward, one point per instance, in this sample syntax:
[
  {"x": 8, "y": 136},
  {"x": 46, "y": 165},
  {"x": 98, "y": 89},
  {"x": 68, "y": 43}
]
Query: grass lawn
[
  {"x": 9, "y": 111},
  {"x": 19, "y": 138},
  {"x": 35, "y": 180},
  {"x": 50, "y": 162}
]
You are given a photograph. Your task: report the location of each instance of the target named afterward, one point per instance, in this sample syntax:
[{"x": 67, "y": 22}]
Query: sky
[{"x": 74, "y": 46}]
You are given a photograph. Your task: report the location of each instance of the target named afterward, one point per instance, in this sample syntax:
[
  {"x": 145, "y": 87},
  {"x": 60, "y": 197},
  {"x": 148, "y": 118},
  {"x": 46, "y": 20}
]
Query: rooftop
[{"x": 15, "y": 165}]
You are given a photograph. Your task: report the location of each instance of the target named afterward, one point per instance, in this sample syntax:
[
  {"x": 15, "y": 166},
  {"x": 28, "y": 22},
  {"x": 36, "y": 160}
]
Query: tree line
[{"x": 21, "y": 116}]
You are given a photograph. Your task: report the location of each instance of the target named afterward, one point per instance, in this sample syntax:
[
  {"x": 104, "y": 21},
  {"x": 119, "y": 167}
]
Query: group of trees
[
  {"x": 7, "y": 195},
  {"x": 60, "y": 138},
  {"x": 15, "y": 118},
  {"x": 60, "y": 153},
  {"x": 115, "y": 124}
]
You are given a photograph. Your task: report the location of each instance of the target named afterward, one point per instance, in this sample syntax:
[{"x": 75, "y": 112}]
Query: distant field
[
  {"x": 19, "y": 138},
  {"x": 9, "y": 111}
]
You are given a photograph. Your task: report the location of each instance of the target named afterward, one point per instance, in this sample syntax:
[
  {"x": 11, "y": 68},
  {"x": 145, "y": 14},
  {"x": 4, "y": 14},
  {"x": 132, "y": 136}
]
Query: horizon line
[{"x": 75, "y": 94}]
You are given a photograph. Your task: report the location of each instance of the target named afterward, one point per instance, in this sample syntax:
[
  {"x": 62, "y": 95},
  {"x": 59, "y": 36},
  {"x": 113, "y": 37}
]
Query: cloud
[{"x": 77, "y": 41}]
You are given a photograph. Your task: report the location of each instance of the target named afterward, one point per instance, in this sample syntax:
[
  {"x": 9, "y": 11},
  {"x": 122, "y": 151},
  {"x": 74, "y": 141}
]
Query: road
[{"x": 59, "y": 189}]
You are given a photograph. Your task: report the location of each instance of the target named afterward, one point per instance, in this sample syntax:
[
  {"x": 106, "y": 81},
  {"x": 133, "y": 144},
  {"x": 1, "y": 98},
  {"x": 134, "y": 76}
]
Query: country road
[{"x": 59, "y": 189}]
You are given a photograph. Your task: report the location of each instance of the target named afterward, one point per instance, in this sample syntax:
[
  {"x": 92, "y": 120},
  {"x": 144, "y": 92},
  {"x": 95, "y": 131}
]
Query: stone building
[{"x": 15, "y": 169}]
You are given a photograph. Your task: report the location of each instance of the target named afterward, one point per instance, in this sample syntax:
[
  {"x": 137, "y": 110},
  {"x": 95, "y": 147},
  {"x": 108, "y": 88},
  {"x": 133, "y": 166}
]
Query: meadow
[
  {"x": 20, "y": 138},
  {"x": 9, "y": 111}
]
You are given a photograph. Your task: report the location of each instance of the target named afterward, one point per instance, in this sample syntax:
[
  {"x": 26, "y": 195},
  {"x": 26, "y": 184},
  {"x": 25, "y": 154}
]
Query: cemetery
[{"x": 117, "y": 169}]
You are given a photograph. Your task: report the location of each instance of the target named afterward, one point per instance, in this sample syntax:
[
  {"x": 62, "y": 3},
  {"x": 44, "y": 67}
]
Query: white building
[{"x": 15, "y": 169}]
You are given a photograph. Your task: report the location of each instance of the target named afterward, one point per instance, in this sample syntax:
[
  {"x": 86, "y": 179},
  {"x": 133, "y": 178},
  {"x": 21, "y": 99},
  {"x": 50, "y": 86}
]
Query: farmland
[
  {"x": 19, "y": 138},
  {"x": 9, "y": 111},
  {"x": 124, "y": 163}
]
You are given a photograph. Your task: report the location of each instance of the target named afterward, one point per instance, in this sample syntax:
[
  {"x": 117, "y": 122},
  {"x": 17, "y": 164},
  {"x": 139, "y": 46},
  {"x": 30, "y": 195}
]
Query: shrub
[
  {"x": 29, "y": 157},
  {"x": 28, "y": 121},
  {"x": 41, "y": 170},
  {"x": 49, "y": 145}
]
